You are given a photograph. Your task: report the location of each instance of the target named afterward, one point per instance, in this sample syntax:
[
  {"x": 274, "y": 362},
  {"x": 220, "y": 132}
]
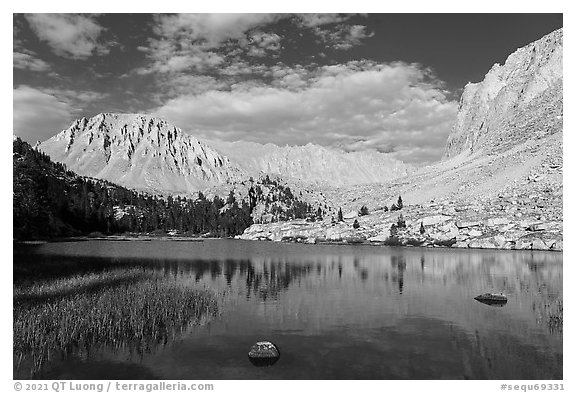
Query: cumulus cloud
[
  {"x": 343, "y": 37},
  {"x": 394, "y": 107},
  {"x": 263, "y": 44},
  {"x": 315, "y": 20},
  {"x": 26, "y": 61},
  {"x": 69, "y": 35},
  {"x": 212, "y": 29},
  {"x": 38, "y": 115},
  {"x": 192, "y": 42}
]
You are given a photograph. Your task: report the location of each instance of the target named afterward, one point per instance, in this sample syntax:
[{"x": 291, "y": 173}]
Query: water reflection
[{"x": 411, "y": 313}]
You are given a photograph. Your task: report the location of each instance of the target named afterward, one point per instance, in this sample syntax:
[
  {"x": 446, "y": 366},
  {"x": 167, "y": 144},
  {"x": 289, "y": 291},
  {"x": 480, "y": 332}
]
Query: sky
[{"x": 389, "y": 82}]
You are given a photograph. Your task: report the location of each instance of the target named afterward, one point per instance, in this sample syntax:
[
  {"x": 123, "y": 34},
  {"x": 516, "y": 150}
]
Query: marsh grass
[
  {"x": 128, "y": 309},
  {"x": 555, "y": 316}
]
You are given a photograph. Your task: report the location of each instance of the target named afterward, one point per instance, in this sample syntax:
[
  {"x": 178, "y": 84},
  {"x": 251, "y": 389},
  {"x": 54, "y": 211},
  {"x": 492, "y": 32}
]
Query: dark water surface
[{"x": 335, "y": 312}]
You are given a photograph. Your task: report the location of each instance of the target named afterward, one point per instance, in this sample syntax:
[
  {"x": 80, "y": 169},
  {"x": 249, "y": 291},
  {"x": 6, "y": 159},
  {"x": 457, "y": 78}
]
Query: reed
[
  {"x": 80, "y": 314},
  {"x": 555, "y": 316}
]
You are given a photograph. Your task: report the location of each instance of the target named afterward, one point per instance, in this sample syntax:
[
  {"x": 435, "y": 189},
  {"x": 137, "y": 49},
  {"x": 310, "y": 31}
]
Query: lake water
[{"x": 336, "y": 312}]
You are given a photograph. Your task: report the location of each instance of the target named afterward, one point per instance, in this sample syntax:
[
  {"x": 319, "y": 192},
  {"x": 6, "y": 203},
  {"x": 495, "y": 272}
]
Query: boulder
[
  {"x": 558, "y": 245},
  {"x": 334, "y": 233},
  {"x": 467, "y": 224},
  {"x": 263, "y": 353},
  {"x": 381, "y": 237},
  {"x": 482, "y": 243},
  {"x": 435, "y": 220},
  {"x": 492, "y": 222},
  {"x": 350, "y": 215},
  {"x": 537, "y": 227},
  {"x": 475, "y": 233},
  {"x": 500, "y": 241},
  {"x": 538, "y": 244},
  {"x": 460, "y": 244},
  {"x": 523, "y": 243}
]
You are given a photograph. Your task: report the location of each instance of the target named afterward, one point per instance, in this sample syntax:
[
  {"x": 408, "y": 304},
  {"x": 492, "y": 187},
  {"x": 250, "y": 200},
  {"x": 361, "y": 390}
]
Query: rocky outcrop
[
  {"x": 477, "y": 224},
  {"x": 517, "y": 101}
]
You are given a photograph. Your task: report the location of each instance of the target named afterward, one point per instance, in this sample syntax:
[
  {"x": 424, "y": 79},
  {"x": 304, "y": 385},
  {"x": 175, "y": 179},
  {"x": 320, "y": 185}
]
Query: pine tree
[
  {"x": 340, "y": 215},
  {"x": 356, "y": 224},
  {"x": 399, "y": 203},
  {"x": 401, "y": 221}
]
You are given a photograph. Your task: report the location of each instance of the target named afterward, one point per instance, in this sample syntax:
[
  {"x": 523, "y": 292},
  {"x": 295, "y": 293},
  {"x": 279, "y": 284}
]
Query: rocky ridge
[
  {"x": 148, "y": 154},
  {"x": 140, "y": 152},
  {"x": 314, "y": 164}
]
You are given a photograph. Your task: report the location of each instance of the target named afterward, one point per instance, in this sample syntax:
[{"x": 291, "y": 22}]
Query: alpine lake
[{"x": 191, "y": 310}]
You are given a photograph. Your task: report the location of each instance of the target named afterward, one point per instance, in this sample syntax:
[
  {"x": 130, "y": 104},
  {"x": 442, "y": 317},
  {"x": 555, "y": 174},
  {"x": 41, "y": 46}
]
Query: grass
[
  {"x": 555, "y": 316},
  {"x": 130, "y": 309}
]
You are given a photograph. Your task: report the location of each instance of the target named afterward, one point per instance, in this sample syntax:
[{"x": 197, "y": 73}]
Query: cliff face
[{"x": 515, "y": 102}]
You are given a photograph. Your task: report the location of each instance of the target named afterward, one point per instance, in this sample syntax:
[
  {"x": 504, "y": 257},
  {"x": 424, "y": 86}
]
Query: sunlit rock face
[
  {"x": 515, "y": 102},
  {"x": 147, "y": 153},
  {"x": 314, "y": 164},
  {"x": 140, "y": 152}
]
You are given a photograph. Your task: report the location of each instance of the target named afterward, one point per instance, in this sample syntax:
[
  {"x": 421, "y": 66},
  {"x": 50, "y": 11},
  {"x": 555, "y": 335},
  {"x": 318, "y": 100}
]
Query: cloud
[
  {"x": 263, "y": 43},
  {"x": 30, "y": 62},
  {"x": 69, "y": 35},
  {"x": 343, "y": 37},
  {"x": 38, "y": 115},
  {"x": 315, "y": 20},
  {"x": 76, "y": 98},
  {"x": 212, "y": 29},
  {"x": 349, "y": 36},
  {"x": 195, "y": 42},
  {"x": 359, "y": 105}
]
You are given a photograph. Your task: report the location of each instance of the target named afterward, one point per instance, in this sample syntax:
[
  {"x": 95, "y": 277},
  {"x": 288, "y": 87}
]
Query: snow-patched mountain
[
  {"x": 313, "y": 163},
  {"x": 517, "y": 101},
  {"x": 140, "y": 152}
]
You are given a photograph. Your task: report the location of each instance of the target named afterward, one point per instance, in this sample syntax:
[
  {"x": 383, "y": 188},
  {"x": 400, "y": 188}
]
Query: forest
[{"x": 50, "y": 201}]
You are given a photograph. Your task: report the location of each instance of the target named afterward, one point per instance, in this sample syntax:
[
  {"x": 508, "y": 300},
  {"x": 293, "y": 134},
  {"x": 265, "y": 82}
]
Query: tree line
[{"x": 51, "y": 201}]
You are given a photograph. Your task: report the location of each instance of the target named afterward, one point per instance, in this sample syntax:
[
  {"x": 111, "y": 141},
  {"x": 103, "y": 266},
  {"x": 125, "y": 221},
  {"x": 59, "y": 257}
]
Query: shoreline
[{"x": 404, "y": 243}]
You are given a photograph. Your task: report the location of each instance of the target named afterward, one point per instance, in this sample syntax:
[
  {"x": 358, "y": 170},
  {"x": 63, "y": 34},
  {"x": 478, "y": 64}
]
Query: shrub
[
  {"x": 363, "y": 211},
  {"x": 401, "y": 221},
  {"x": 356, "y": 224}
]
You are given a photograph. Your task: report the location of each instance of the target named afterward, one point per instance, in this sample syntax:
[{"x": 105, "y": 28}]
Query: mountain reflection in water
[{"x": 338, "y": 312}]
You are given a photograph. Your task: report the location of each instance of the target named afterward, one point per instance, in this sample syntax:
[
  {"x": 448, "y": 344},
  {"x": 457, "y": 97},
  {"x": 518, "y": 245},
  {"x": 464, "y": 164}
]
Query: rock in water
[
  {"x": 263, "y": 353},
  {"x": 492, "y": 299}
]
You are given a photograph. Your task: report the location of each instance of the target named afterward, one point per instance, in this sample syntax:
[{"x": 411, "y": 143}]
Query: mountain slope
[
  {"x": 140, "y": 152},
  {"x": 517, "y": 101},
  {"x": 147, "y": 153},
  {"x": 314, "y": 164}
]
